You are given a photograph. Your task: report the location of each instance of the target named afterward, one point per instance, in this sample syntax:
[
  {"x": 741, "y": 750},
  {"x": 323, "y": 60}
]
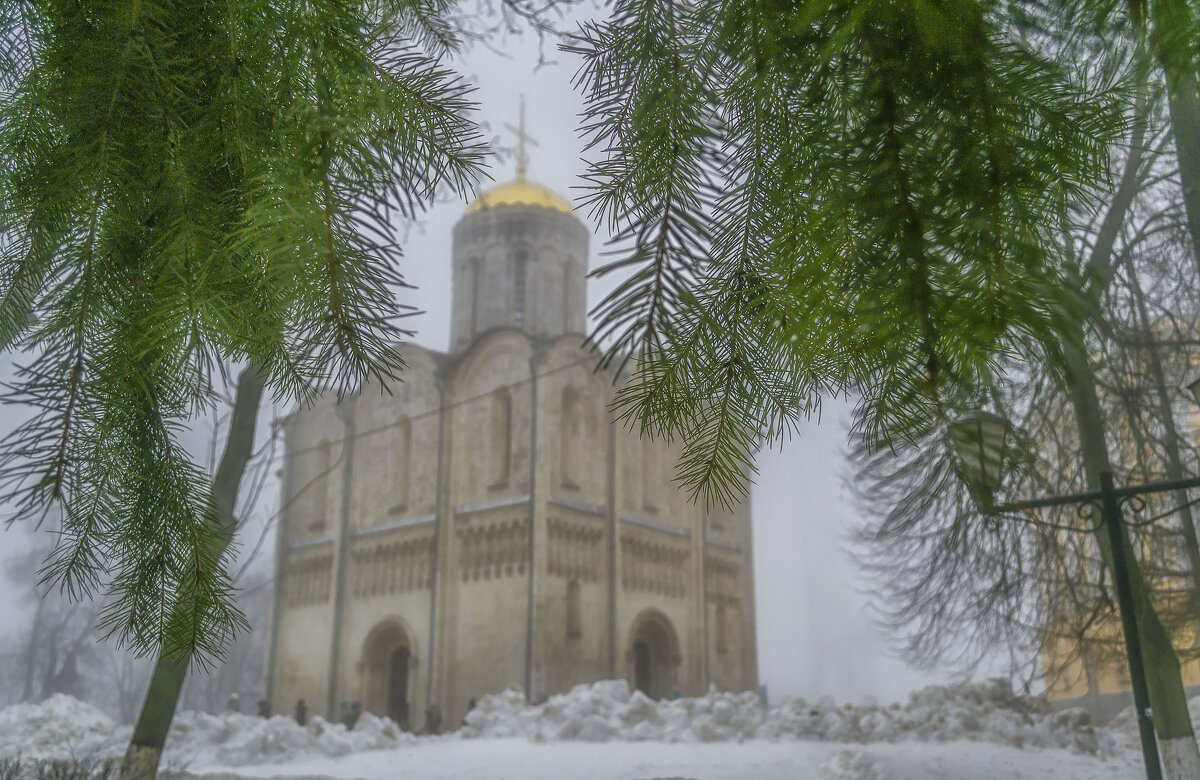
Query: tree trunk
[
  {"x": 49, "y": 659},
  {"x": 31, "y": 654},
  {"x": 1173, "y": 24},
  {"x": 1168, "y": 700},
  {"x": 1091, "y": 674},
  {"x": 162, "y": 697},
  {"x": 1174, "y": 461}
]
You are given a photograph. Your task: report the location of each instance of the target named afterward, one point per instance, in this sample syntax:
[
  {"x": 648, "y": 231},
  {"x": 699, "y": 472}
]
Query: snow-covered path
[{"x": 520, "y": 759}]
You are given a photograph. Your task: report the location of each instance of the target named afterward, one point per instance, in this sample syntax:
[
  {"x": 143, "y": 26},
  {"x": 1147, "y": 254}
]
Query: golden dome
[{"x": 520, "y": 192}]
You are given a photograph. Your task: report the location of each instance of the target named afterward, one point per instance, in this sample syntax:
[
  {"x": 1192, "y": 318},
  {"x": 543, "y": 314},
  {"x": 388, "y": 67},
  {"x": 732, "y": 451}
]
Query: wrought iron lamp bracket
[
  {"x": 1092, "y": 512},
  {"x": 1136, "y": 505}
]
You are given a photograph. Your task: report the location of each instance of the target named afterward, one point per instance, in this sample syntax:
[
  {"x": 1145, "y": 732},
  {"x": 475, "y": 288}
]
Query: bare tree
[
  {"x": 56, "y": 651},
  {"x": 958, "y": 585}
]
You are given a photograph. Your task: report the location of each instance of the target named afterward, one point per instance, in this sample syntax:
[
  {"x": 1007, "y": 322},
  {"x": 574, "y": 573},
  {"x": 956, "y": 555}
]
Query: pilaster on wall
[
  {"x": 439, "y": 650},
  {"x": 614, "y": 549},
  {"x": 337, "y": 683},
  {"x": 700, "y": 551},
  {"x": 281, "y": 542},
  {"x": 749, "y": 615},
  {"x": 539, "y": 478}
]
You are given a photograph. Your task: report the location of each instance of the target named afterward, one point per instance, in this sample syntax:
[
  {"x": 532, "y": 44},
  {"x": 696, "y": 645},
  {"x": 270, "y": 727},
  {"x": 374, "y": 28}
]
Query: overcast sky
[{"x": 815, "y": 634}]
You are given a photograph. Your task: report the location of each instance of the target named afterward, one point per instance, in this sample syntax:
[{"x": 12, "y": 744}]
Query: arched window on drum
[
  {"x": 475, "y": 271},
  {"x": 520, "y": 274},
  {"x": 567, "y": 308}
]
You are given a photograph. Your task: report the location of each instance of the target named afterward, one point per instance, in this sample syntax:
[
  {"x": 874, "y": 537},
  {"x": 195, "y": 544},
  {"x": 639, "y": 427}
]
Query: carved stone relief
[
  {"x": 493, "y": 549},
  {"x": 654, "y": 566},
  {"x": 721, "y": 576},
  {"x": 308, "y": 577},
  {"x": 391, "y": 566},
  {"x": 575, "y": 549}
]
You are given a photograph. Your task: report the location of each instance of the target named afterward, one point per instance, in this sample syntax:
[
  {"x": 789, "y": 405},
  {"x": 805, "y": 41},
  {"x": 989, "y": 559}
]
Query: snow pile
[
  {"x": 63, "y": 727},
  {"x": 1125, "y": 728},
  {"x": 972, "y": 712},
  {"x": 59, "y": 727},
  {"x": 606, "y": 711},
  {"x": 850, "y": 765},
  {"x": 233, "y": 739}
]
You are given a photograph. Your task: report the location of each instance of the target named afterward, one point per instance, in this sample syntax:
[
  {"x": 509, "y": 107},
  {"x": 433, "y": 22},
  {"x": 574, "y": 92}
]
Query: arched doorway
[
  {"x": 397, "y": 700},
  {"x": 654, "y": 655},
  {"x": 387, "y": 662},
  {"x": 642, "y": 678}
]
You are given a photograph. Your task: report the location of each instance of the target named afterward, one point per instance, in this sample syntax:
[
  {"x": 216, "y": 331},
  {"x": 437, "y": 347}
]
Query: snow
[
  {"x": 607, "y": 710},
  {"x": 850, "y": 765},
  {"x": 64, "y": 727},
  {"x": 1125, "y": 728},
  {"x": 233, "y": 739},
  {"x": 59, "y": 727},
  {"x": 602, "y": 731},
  {"x": 520, "y": 759}
]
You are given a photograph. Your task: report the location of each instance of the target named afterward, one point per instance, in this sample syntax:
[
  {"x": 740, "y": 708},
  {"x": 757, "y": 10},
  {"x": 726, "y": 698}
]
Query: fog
[{"x": 816, "y": 635}]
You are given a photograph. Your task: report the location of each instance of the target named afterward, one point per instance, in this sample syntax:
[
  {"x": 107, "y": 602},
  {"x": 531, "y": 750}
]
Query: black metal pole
[
  {"x": 1111, "y": 514},
  {"x": 1095, "y": 496}
]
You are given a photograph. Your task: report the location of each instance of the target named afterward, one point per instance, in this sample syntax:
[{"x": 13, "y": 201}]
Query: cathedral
[{"x": 486, "y": 524}]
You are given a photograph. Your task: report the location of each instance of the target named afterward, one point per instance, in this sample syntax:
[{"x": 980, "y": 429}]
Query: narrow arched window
[
  {"x": 401, "y": 466},
  {"x": 722, "y": 629},
  {"x": 501, "y": 434},
  {"x": 568, "y": 274},
  {"x": 520, "y": 270},
  {"x": 570, "y": 433},
  {"x": 650, "y": 472},
  {"x": 321, "y": 486},
  {"x": 574, "y": 610},
  {"x": 473, "y": 268}
]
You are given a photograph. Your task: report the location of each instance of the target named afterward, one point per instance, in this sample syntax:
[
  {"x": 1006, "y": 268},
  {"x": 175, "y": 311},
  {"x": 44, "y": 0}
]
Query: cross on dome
[
  {"x": 520, "y": 191},
  {"x": 522, "y": 139}
]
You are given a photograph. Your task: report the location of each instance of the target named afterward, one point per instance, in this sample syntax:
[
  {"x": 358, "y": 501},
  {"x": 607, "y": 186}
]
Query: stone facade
[{"x": 485, "y": 524}]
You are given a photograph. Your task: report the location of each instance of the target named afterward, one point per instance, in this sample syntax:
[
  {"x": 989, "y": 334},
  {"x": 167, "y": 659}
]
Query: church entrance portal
[
  {"x": 641, "y": 667},
  {"x": 397, "y": 703},
  {"x": 387, "y": 662},
  {"x": 654, "y": 655}
]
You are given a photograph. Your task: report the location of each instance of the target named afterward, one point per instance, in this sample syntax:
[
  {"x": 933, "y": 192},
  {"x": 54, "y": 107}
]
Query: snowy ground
[
  {"x": 602, "y": 732},
  {"x": 519, "y": 759}
]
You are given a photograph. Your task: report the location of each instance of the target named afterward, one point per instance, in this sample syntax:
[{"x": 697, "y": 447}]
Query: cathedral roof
[{"x": 520, "y": 192}]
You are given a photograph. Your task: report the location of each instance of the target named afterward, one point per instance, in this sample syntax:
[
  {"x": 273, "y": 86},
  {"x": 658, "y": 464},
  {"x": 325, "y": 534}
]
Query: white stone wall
[{"x": 505, "y": 444}]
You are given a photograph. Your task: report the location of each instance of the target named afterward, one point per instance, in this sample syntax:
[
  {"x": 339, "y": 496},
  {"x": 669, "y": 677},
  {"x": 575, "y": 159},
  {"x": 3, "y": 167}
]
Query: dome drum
[{"x": 519, "y": 260}]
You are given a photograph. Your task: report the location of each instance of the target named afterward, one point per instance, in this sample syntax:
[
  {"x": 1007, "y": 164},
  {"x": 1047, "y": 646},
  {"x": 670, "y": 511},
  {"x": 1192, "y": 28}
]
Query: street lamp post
[{"x": 980, "y": 440}]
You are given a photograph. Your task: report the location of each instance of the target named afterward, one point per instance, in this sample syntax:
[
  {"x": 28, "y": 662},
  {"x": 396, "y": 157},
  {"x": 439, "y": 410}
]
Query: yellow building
[
  {"x": 1095, "y": 676},
  {"x": 1094, "y": 673}
]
